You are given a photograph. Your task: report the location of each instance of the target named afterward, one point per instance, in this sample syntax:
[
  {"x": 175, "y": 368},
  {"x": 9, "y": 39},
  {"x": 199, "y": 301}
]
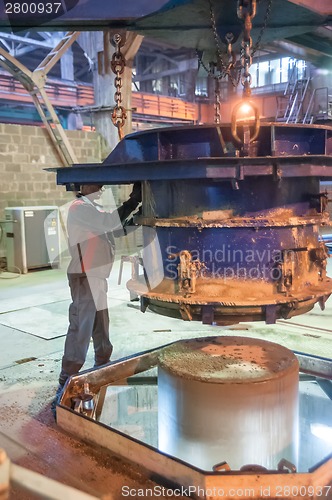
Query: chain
[
  {"x": 217, "y": 113},
  {"x": 118, "y": 64},
  {"x": 226, "y": 70},
  {"x": 263, "y": 28},
  {"x": 246, "y": 10}
]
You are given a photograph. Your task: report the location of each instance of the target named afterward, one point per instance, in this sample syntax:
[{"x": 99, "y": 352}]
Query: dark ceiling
[
  {"x": 283, "y": 26},
  {"x": 297, "y": 28}
]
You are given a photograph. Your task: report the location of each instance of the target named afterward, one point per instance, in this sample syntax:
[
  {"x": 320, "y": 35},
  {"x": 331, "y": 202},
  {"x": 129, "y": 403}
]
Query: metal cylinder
[
  {"x": 231, "y": 399},
  {"x": 227, "y": 238},
  {"x": 208, "y": 240}
]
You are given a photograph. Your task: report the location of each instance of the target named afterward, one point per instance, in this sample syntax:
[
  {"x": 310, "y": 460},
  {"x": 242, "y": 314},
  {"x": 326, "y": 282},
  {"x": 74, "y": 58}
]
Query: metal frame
[
  {"x": 183, "y": 477},
  {"x": 34, "y": 82},
  {"x": 204, "y": 168},
  {"x": 133, "y": 161},
  {"x": 208, "y": 153}
]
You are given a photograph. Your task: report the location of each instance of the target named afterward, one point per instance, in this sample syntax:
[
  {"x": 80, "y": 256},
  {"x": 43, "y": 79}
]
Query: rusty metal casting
[{"x": 251, "y": 218}]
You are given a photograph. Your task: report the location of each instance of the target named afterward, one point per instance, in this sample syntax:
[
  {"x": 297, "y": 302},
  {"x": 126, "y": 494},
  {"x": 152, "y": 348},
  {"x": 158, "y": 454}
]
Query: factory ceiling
[
  {"x": 299, "y": 28},
  {"x": 283, "y": 26}
]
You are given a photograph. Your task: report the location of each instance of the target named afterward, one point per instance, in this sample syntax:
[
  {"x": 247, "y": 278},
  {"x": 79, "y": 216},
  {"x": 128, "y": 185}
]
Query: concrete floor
[{"x": 33, "y": 323}]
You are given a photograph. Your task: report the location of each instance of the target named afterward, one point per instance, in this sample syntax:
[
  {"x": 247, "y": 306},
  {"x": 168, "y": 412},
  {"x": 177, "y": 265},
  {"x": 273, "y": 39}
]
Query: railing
[
  {"x": 74, "y": 95},
  {"x": 157, "y": 108},
  {"x": 167, "y": 108},
  {"x": 320, "y": 106},
  {"x": 60, "y": 94}
]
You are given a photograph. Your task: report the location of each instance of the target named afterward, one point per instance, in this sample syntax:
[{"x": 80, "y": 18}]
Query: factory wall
[{"x": 25, "y": 153}]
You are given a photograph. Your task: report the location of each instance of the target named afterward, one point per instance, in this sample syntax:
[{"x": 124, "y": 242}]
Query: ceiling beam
[
  {"x": 292, "y": 49},
  {"x": 320, "y": 6},
  {"x": 182, "y": 67},
  {"x": 313, "y": 45},
  {"x": 27, "y": 40}
]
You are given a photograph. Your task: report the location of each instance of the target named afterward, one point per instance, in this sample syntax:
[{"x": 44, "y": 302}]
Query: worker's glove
[
  {"x": 132, "y": 203},
  {"x": 136, "y": 194}
]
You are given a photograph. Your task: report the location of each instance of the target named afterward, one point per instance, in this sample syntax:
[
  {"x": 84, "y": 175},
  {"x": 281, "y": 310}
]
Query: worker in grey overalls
[{"x": 92, "y": 250}]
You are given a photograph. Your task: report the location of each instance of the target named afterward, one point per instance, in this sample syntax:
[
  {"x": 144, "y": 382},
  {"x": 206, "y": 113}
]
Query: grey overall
[{"x": 91, "y": 246}]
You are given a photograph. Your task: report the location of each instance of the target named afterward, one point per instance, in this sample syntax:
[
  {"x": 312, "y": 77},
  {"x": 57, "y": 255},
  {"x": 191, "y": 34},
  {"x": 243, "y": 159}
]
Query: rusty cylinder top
[{"x": 228, "y": 360}]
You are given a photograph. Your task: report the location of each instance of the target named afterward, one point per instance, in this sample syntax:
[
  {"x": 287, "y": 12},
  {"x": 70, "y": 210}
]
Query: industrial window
[{"x": 276, "y": 71}]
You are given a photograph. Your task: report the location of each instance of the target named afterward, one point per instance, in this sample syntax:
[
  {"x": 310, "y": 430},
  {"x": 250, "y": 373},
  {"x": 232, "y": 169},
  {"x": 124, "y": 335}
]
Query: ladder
[
  {"x": 290, "y": 106},
  {"x": 296, "y": 101},
  {"x": 34, "y": 82}
]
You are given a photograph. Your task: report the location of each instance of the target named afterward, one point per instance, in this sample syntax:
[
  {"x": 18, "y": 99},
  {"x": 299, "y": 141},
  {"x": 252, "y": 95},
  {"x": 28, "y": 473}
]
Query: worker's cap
[
  {"x": 91, "y": 188},
  {"x": 98, "y": 186}
]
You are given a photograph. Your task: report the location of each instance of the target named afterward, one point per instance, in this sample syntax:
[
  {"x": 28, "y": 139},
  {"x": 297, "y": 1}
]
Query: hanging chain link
[
  {"x": 224, "y": 69},
  {"x": 118, "y": 64},
  {"x": 263, "y": 28},
  {"x": 220, "y": 70},
  {"x": 217, "y": 112},
  {"x": 246, "y": 10}
]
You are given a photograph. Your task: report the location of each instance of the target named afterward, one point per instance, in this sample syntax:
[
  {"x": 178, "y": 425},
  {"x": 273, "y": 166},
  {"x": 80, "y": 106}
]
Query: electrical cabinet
[{"x": 32, "y": 238}]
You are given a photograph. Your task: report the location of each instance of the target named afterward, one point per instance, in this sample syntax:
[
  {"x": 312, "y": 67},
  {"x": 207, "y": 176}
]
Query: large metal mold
[
  {"x": 226, "y": 238},
  {"x": 98, "y": 407}
]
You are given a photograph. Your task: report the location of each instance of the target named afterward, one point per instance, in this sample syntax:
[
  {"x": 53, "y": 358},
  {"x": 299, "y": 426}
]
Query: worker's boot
[{"x": 56, "y": 400}]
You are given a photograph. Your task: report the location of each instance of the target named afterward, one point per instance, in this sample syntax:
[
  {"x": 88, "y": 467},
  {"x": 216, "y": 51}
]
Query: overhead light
[
  {"x": 245, "y": 113},
  {"x": 244, "y": 110}
]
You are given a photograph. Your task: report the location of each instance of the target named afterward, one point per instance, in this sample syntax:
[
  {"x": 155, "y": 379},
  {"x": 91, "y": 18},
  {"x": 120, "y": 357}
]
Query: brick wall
[{"x": 25, "y": 151}]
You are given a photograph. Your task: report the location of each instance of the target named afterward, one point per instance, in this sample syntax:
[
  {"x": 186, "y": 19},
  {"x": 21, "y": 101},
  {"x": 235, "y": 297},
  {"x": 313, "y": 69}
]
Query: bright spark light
[{"x": 245, "y": 109}]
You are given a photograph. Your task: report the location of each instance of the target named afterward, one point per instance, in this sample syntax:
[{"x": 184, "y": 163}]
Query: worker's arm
[
  {"x": 132, "y": 203},
  {"x": 98, "y": 221}
]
